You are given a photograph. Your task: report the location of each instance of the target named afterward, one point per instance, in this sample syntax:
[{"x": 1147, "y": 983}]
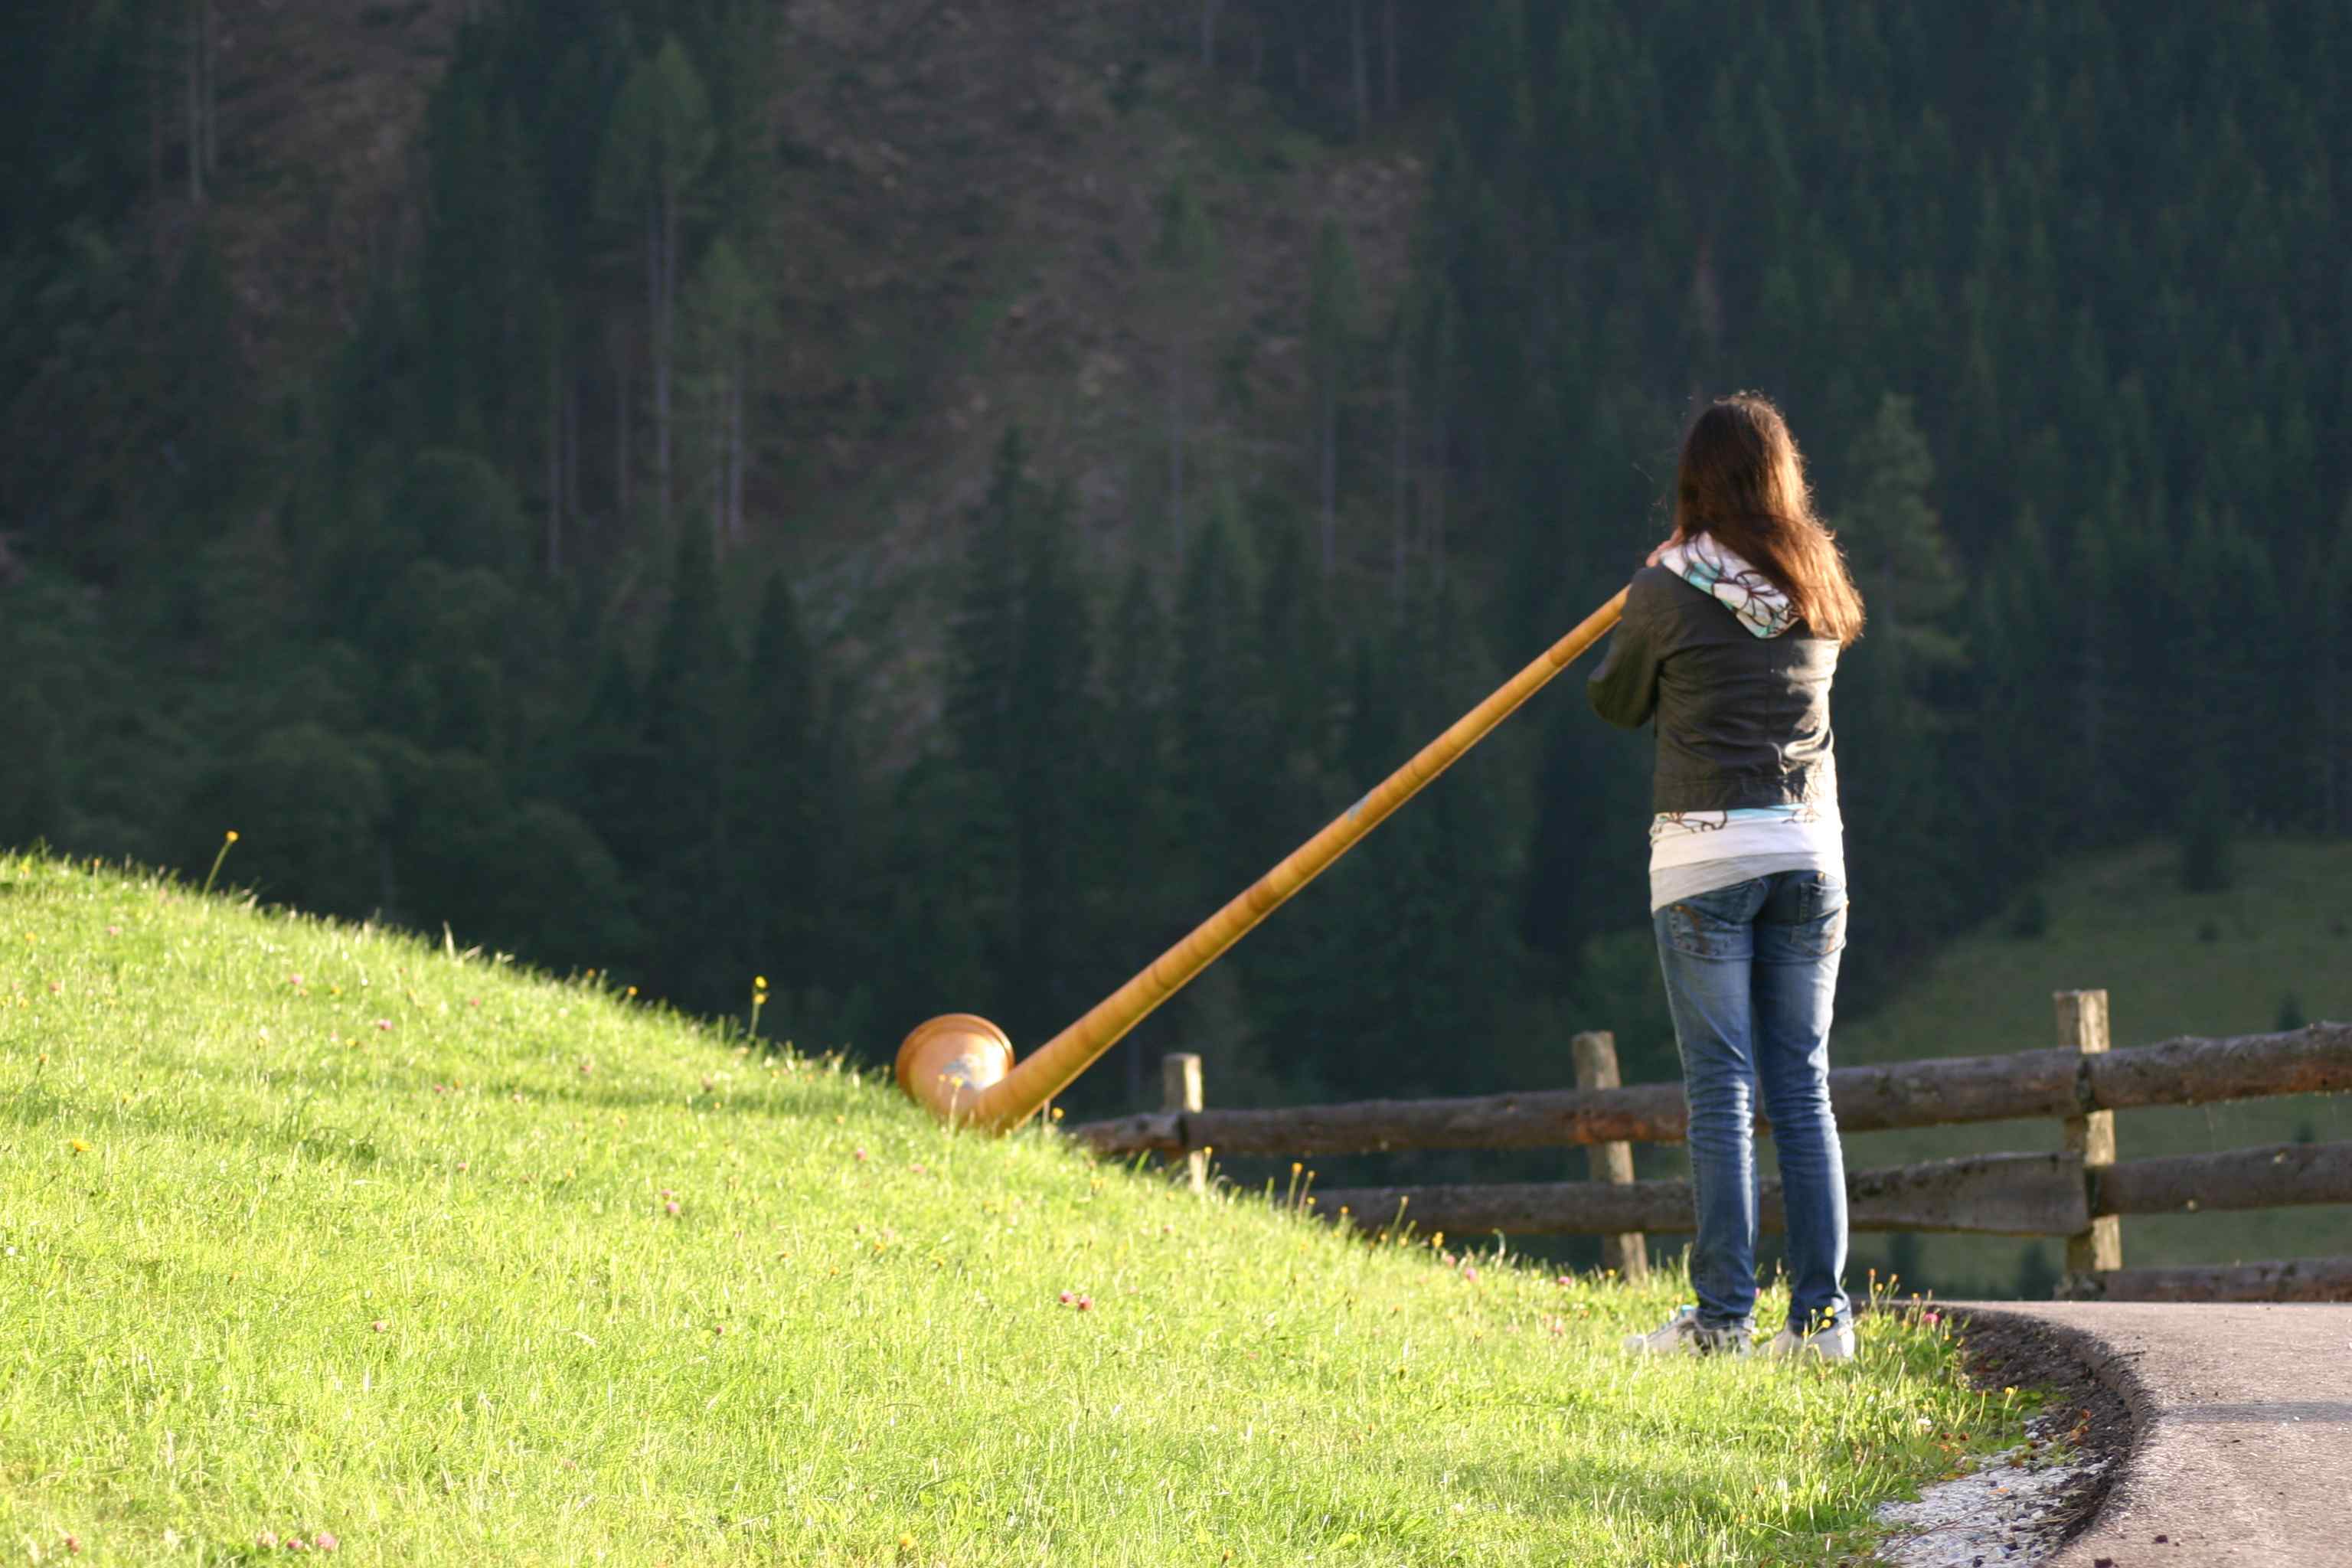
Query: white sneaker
[
  {"x": 1835, "y": 1343},
  {"x": 1681, "y": 1335}
]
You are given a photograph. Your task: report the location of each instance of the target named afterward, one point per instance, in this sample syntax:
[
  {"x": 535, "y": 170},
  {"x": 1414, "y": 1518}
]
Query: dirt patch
[{"x": 2022, "y": 1506}]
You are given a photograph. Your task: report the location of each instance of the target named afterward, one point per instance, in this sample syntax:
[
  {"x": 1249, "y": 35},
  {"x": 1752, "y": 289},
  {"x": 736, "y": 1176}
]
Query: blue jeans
[{"x": 1751, "y": 976}]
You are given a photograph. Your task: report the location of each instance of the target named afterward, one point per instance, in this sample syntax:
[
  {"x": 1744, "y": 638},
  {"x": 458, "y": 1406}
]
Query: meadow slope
[{"x": 320, "y": 1233}]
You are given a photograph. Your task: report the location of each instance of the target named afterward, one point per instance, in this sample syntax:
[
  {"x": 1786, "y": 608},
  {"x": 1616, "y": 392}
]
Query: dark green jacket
[{"x": 1743, "y": 721}]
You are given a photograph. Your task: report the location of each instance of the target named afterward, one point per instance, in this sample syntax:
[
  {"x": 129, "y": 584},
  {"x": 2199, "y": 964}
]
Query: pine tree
[
  {"x": 693, "y": 883},
  {"x": 1052, "y": 730},
  {"x": 2330, "y": 617},
  {"x": 727, "y": 324},
  {"x": 1335, "y": 305},
  {"x": 978, "y": 682},
  {"x": 779, "y": 797},
  {"x": 657, "y": 143},
  {"x": 1899, "y": 695},
  {"x": 1134, "y": 798},
  {"x": 33, "y": 786},
  {"x": 1185, "y": 255}
]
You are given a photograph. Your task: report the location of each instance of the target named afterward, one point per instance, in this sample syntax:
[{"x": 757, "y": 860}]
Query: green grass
[
  {"x": 2172, "y": 964},
  {"x": 310, "y": 1227}
]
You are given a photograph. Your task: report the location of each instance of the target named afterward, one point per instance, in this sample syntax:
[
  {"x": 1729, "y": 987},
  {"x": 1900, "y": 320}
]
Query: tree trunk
[
  {"x": 1326, "y": 430},
  {"x": 572, "y": 442},
  {"x": 1400, "y": 463},
  {"x": 2333, "y": 703},
  {"x": 621, "y": 423},
  {"x": 1176, "y": 447},
  {"x": 718, "y": 466},
  {"x": 195, "y": 103},
  {"x": 1389, "y": 30},
  {"x": 212, "y": 91},
  {"x": 555, "y": 455},
  {"x": 158, "y": 106},
  {"x": 661, "y": 242},
  {"x": 737, "y": 457},
  {"x": 1360, "y": 62},
  {"x": 1438, "y": 471}
]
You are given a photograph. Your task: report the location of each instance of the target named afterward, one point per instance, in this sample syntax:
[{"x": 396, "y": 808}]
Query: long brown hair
[{"x": 1742, "y": 480}]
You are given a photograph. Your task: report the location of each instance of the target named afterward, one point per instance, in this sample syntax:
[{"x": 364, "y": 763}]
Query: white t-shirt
[{"x": 1694, "y": 852}]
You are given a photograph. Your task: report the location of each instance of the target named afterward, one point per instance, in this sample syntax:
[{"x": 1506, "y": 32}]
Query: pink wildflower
[
  {"x": 384, "y": 1023},
  {"x": 73, "y": 1541},
  {"x": 1470, "y": 1272},
  {"x": 917, "y": 1167},
  {"x": 1067, "y": 1298},
  {"x": 1564, "y": 1280},
  {"x": 379, "y": 1325},
  {"x": 1086, "y": 1303},
  {"x": 325, "y": 1541},
  {"x": 861, "y": 1153},
  {"x": 670, "y": 1207},
  {"x": 266, "y": 1540},
  {"x": 1931, "y": 1316}
]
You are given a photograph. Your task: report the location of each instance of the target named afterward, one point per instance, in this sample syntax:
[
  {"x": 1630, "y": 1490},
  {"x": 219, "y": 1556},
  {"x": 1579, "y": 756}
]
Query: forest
[{"x": 488, "y": 619}]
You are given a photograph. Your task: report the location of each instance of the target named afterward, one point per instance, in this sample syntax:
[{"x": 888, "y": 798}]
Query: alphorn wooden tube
[{"x": 960, "y": 1066}]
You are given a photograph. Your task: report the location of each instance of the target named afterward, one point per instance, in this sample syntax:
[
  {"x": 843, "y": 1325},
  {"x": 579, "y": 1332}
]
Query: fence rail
[
  {"x": 1940, "y": 1092},
  {"x": 2080, "y": 1193}
]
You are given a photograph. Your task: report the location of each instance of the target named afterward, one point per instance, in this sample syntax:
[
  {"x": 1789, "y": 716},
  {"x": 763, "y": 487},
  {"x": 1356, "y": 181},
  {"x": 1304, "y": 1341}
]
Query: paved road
[{"x": 2243, "y": 1453}]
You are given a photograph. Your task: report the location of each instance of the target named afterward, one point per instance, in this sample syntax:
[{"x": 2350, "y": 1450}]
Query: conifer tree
[
  {"x": 1185, "y": 257},
  {"x": 1052, "y": 733},
  {"x": 1134, "y": 800},
  {"x": 1335, "y": 304},
  {"x": 694, "y": 877},
  {"x": 780, "y": 797},
  {"x": 727, "y": 324},
  {"x": 1897, "y": 698},
  {"x": 658, "y": 141}
]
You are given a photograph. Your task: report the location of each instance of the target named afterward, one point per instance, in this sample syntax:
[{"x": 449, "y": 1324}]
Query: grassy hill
[
  {"x": 314, "y": 1231},
  {"x": 2274, "y": 948}
]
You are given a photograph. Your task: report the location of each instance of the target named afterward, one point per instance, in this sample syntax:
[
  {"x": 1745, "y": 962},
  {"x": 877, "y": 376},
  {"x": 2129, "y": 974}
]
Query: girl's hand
[{"x": 1663, "y": 546}]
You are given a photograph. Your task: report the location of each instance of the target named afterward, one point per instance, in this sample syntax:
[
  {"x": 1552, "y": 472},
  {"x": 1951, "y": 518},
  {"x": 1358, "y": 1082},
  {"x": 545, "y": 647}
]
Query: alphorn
[{"x": 960, "y": 1066}]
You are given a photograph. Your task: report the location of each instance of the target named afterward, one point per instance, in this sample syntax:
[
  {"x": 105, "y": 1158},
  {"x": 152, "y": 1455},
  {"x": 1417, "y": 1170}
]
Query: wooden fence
[{"x": 2080, "y": 1193}]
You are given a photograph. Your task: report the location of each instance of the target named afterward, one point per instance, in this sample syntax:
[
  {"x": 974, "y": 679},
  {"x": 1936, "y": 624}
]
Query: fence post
[
  {"x": 2082, "y": 1026},
  {"x": 1180, "y": 1090},
  {"x": 1596, "y": 1067}
]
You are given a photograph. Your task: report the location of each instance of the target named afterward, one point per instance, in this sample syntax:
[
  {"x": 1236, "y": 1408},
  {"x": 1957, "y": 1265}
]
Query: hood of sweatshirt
[{"x": 1723, "y": 574}]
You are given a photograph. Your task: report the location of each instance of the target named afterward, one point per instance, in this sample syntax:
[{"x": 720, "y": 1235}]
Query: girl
[{"x": 1729, "y": 639}]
